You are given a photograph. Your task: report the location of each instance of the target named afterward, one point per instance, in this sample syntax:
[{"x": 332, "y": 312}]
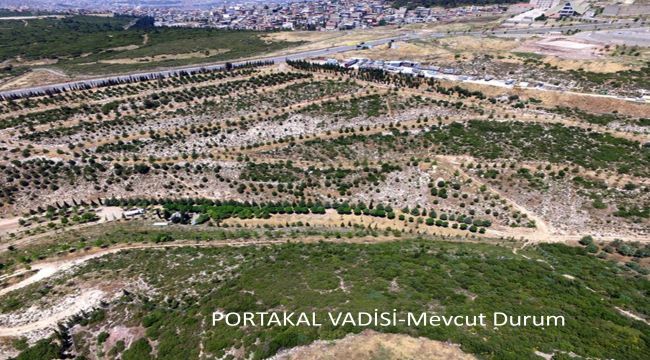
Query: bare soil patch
[
  {"x": 594, "y": 104},
  {"x": 599, "y": 65},
  {"x": 562, "y": 47},
  {"x": 34, "y": 78},
  {"x": 373, "y": 345},
  {"x": 190, "y": 55}
]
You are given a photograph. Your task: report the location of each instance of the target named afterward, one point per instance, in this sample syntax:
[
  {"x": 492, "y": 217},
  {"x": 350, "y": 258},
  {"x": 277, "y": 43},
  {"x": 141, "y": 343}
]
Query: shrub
[
  {"x": 626, "y": 250},
  {"x": 587, "y": 240},
  {"x": 139, "y": 350},
  {"x": 101, "y": 338},
  {"x": 43, "y": 349}
]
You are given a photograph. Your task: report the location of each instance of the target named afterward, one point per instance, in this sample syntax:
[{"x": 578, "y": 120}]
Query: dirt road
[
  {"x": 84, "y": 302},
  {"x": 88, "y": 299},
  {"x": 48, "y": 269}
]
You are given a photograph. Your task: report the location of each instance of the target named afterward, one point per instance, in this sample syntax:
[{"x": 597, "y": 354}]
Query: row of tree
[
  {"x": 366, "y": 74},
  {"x": 126, "y": 79}
]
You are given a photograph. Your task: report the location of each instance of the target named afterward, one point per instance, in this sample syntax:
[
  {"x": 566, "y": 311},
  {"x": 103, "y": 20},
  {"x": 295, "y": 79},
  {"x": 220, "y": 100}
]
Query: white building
[{"x": 135, "y": 212}]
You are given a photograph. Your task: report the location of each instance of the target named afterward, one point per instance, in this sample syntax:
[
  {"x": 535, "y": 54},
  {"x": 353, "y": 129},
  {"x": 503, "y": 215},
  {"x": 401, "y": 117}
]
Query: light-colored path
[
  {"x": 47, "y": 269},
  {"x": 90, "y": 298},
  {"x": 86, "y": 301}
]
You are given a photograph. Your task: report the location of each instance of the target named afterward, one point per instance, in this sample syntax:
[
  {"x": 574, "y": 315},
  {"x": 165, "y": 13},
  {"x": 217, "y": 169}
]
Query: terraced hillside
[{"x": 367, "y": 189}]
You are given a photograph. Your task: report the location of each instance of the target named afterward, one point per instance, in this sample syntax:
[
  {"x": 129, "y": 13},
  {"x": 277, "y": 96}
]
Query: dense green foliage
[
  {"x": 43, "y": 349},
  {"x": 105, "y": 38},
  {"x": 71, "y": 36},
  {"x": 509, "y": 140},
  {"x": 554, "y": 143},
  {"x": 139, "y": 350},
  {"x": 450, "y": 278}
]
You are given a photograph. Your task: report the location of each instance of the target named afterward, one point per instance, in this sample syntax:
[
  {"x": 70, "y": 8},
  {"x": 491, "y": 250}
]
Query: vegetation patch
[{"x": 415, "y": 276}]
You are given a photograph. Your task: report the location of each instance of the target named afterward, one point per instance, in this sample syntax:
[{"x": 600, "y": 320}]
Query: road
[{"x": 93, "y": 82}]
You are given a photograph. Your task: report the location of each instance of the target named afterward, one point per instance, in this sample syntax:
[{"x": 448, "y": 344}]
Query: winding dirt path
[
  {"x": 86, "y": 300},
  {"x": 47, "y": 269},
  {"x": 542, "y": 232}
]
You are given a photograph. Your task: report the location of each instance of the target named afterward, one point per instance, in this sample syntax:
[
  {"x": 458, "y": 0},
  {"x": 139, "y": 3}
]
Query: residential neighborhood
[{"x": 311, "y": 15}]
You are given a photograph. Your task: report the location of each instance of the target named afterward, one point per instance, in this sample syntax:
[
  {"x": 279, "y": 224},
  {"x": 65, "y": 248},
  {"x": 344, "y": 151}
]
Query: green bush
[
  {"x": 101, "y": 338},
  {"x": 586, "y": 240},
  {"x": 139, "y": 350}
]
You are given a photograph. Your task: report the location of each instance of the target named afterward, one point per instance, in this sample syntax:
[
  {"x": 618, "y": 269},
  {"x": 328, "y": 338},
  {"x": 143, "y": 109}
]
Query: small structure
[
  {"x": 133, "y": 213},
  {"x": 349, "y": 63},
  {"x": 568, "y": 8}
]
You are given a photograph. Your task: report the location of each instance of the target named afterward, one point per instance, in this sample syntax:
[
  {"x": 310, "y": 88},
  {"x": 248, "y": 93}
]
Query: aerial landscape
[{"x": 325, "y": 179}]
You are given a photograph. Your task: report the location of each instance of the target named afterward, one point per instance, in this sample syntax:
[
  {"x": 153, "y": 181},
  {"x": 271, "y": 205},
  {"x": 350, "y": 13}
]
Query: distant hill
[{"x": 448, "y": 3}]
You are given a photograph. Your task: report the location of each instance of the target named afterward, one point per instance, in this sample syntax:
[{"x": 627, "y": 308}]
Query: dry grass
[
  {"x": 295, "y": 36},
  {"x": 428, "y": 50},
  {"x": 322, "y": 39},
  {"x": 334, "y": 220},
  {"x": 373, "y": 345},
  {"x": 34, "y": 78},
  {"x": 161, "y": 57},
  {"x": 599, "y": 65},
  {"x": 475, "y": 44},
  {"x": 556, "y": 98},
  {"x": 400, "y": 50}
]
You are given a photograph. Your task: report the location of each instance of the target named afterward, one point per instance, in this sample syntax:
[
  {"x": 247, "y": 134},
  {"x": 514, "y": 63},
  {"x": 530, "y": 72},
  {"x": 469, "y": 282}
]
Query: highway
[{"x": 94, "y": 82}]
